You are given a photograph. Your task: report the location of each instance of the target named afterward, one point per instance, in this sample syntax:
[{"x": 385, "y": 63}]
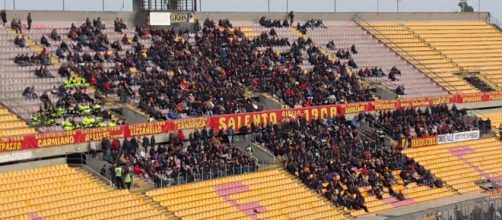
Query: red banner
[{"x": 235, "y": 121}]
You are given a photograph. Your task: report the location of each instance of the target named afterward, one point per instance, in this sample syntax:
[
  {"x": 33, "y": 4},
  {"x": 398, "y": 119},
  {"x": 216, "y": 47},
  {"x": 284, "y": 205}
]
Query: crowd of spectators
[
  {"x": 329, "y": 82},
  {"x": 436, "y": 120},
  {"x": 265, "y": 40},
  {"x": 270, "y": 23},
  {"x": 312, "y": 24},
  {"x": 205, "y": 73},
  {"x": 27, "y": 60},
  {"x": 204, "y": 154},
  {"x": 378, "y": 72},
  {"x": 332, "y": 157}
]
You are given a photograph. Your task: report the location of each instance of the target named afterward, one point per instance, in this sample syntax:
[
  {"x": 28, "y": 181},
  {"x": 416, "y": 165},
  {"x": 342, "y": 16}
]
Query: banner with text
[
  {"x": 236, "y": 121},
  {"x": 423, "y": 141},
  {"x": 458, "y": 137}
]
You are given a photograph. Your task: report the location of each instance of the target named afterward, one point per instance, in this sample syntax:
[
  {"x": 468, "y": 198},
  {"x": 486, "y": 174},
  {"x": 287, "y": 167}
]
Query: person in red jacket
[
  {"x": 115, "y": 146},
  {"x": 181, "y": 136}
]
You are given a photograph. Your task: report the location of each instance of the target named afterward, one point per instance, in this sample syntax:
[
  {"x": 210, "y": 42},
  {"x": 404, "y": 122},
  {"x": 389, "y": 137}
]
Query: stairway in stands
[{"x": 140, "y": 187}]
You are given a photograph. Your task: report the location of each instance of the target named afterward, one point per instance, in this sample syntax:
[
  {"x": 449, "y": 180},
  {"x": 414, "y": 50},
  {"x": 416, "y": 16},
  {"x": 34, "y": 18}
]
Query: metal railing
[
  {"x": 80, "y": 160},
  {"x": 403, "y": 53},
  {"x": 165, "y": 181},
  {"x": 487, "y": 78}
]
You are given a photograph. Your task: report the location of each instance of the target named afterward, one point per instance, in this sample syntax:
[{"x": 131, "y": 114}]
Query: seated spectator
[
  {"x": 116, "y": 45},
  {"x": 20, "y": 41},
  {"x": 331, "y": 45},
  {"x": 125, "y": 40},
  {"x": 30, "y": 93},
  {"x": 353, "y": 49},
  {"x": 64, "y": 71},
  {"x": 16, "y": 25},
  {"x": 400, "y": 90},
  {"x": 352, "y": 64},
  {"x": 285, "y": 23},
  {"x": 301, "y": 28},
  {"x": 59, "y": 53},
  {"x": 225, "y": 23},
  {"x": 44, "y": 41},
  {"x": 23, "y": 60},
  {"x": 43, "y": 72},
  {"x": 119, "y": 25},
  {"x": 269, "y": 23},
  {"x": 55, "y": 36},
  {"x": 393, "y": 72}
]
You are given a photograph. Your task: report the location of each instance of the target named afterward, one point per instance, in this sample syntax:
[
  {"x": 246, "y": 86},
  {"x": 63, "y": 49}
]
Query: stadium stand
[
  {"x": 11, "y": 125},
  {"x": 180, "y": 160},
  {"x": 461, "y": 164},
  {"x": 370, "y": 54},
  {"x": 421, "y": 54},
  {"x": 269, "y": 194},
  {"x": 437, "y": 120},
  {"x": 16, "y": 78},
  {"x": 349, "y": 168},
  {"x": 305, "y": 81},
  {"x": 61, "y": 192},
  {"x": 495, "y": 118},
  {"x": 474, "y": 46}
]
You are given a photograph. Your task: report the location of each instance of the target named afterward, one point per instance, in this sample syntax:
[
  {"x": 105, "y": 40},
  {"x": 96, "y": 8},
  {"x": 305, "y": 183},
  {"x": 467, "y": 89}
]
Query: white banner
[
  {"x": 160, "y": 18},
  {"x": 22, "y": 155},
  {"x": 457, "y": 137}
]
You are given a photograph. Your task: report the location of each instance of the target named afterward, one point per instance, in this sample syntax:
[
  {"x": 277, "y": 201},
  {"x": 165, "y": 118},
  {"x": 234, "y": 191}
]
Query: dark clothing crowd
[
  {"x": 204, "y": 154},
  {"x": 332, "y": 157},
  {"x": 436, "y": 120}
]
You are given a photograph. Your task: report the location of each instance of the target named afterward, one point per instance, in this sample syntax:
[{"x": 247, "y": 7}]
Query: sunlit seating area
[
  {"x": 421, "y": 54},
  {"x": 270, "y": 194},
  {"x": 461, "y": 164},
  {"x": 412, "y": 192},
  {"x": 61, "y": 192},
  {"x": 474, "y": 46},
  {"x": 11, "y": 125}
]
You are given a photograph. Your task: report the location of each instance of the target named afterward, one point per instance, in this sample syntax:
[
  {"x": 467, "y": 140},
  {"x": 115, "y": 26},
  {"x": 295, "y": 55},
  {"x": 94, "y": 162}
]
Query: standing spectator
[
  {"x": 106, "y": 145},
  {"x": 3, "y": 14},
  {"x": 128, "y": 179},
  {"x": 146, "y": 142},
  {"x": 230, "y": 134},
  {"x": 29, "y": 20},
  {"x": 291, "y": 16},
  {"x": 118, "y": 177}
]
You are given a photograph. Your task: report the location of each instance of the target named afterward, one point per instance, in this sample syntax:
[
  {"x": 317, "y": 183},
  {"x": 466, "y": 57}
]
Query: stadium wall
[
  {"x": 445, "y": 207},
  {"x": 347, "y": 16},
  {"x": 138, "y": 17}
]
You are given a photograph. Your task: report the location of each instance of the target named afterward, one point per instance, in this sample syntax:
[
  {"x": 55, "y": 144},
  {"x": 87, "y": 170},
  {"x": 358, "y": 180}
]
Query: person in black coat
[{"x": 3, "y": 14}]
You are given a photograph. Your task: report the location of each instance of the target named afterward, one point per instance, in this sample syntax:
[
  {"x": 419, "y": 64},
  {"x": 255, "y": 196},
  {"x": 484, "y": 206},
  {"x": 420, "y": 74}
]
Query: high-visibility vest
[
  {"x": 128, "y": 178},
  {"x": 118, "y": 171}
]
